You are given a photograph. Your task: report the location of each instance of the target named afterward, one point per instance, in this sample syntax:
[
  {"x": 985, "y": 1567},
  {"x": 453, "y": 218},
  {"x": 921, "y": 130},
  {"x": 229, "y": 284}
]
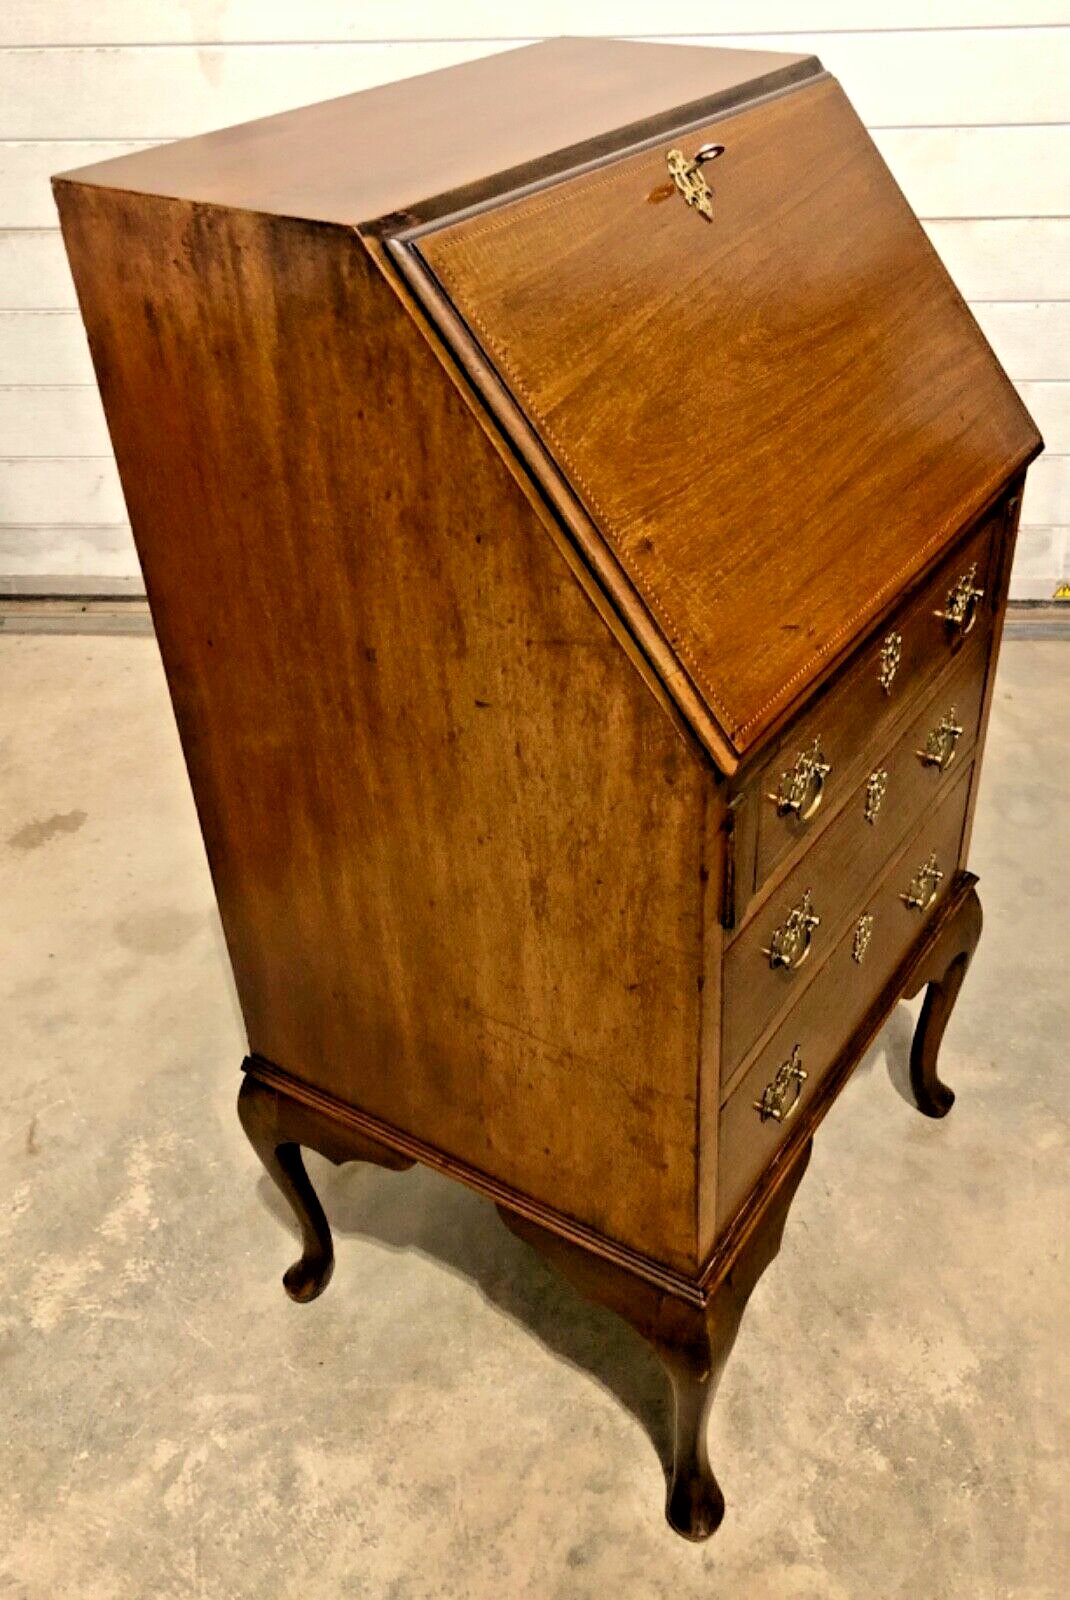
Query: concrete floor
[{"x": 450, "y": 1420}]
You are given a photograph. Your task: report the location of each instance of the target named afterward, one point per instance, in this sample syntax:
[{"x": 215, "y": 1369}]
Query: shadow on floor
[
  {"x": 897, "y": 1038},
  {"x": 420, "y": 1210},
  {"x": 893, "y": 1043}
]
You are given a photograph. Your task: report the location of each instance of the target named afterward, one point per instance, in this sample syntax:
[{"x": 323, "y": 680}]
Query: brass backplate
[{"x": 691, "y": 184}]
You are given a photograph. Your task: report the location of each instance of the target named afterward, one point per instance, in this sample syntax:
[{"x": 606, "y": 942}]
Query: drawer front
[
  {"x": 851, "y": 721},
  {"x": 774, "y": 955},
  {"x": 817, "y": 1029}
]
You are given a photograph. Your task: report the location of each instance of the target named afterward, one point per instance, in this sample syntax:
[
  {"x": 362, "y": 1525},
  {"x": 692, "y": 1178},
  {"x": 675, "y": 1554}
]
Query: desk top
[{"x": 364, "y": 156}]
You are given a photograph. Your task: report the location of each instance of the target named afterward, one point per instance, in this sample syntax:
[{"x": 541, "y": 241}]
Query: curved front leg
[
  {"x": 947, "y": 965},
  {"x": 693, "y": 1339},
  {"x": 695, "y": 1504},
  {"x": 695, "y": 1344},
  {"x": 276, "y": 1127},
  {"x": 258, "y": 1111}
]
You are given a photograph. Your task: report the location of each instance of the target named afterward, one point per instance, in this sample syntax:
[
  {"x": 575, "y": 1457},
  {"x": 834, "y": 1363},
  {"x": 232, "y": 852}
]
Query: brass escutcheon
[
  {"x": 890, "y": 654},
  {"x": 863, "y": 934},
  {"x": 790, "y": 945},
  {"x": 960, "y": 608},
  {"x": 791, "y": 1074},
  {"x": 801, "y": 789},
  {"x": 876, "y": 788},
  {"x": 921, "y": 891},
  {"x": 689, "y": 180},
  {"x": 940, "y": 743}
]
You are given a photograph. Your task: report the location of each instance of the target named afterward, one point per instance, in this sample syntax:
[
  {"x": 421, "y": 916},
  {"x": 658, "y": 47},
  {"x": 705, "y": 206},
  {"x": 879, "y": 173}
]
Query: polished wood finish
[
  {"x": 951, "y": 923},
  {"x": 443, "y": 140},
  {"x": 277, "y": 1126},
  {"x": 505, "y": 527},
  {"x": 775, "y": 319},
  {"x": 841, "y": 864},
  {"x": 407, "y": 731},
  {"x": 945, "y": 964},
  {"x": 854, "y": 716},
  {"x": 694, "y": 1341},
  {"x": 840, "y": 993}
]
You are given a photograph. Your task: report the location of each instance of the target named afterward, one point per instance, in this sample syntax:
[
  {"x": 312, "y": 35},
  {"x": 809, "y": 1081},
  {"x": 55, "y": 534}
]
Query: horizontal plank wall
[{"x": 969, "y": 102}]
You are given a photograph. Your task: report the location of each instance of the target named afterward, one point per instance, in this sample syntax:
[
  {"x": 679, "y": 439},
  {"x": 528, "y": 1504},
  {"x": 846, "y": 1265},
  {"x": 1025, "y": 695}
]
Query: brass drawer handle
[
  {"x": 876, "y": 789},
  {"x": 790, "y": 945},
  {"x": 891, "y": 652},
  {"x": 790, "y": 1076},
  {"x": 921, "y": 891},
  {"x": 940, "y": 743},
  {"x": 689, "y": 180},
  {"x": 960, "y": 608},
  {"x": 802, "y": 788}
]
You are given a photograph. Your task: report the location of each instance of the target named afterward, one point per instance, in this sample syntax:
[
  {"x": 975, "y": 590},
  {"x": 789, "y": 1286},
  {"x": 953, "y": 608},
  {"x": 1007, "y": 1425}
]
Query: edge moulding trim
[{"x": 698, "y": 1290}]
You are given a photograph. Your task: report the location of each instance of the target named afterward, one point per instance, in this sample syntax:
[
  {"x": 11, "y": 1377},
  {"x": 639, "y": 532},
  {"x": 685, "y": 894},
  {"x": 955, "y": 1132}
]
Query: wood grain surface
[
  {"x": 456, "y": 841},
  {"x": 853, "y": 717},
  {"x": 470, "y": 853},
  {"x": 811, "y": 384},
  {"x": 477, "y": 126},
  {"x": 829, "y": 1011},
  {"x": 839, "y": 865}
]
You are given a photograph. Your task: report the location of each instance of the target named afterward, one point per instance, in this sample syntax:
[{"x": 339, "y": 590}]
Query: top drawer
[{"x": 828, "y": 750}]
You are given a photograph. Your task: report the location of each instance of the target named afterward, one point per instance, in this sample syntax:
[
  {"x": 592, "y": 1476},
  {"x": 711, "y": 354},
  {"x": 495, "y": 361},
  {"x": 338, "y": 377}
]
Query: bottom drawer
[{"x": 757, "y": 1117}]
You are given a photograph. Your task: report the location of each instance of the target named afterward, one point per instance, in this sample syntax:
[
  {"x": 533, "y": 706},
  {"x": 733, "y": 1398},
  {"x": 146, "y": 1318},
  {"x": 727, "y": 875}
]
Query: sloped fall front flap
[{"x": 775, "y": 418}]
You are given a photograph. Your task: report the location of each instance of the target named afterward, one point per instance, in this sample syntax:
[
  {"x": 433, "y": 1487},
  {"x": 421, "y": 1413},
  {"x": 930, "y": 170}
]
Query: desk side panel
[{"x": 456, "y": 842}]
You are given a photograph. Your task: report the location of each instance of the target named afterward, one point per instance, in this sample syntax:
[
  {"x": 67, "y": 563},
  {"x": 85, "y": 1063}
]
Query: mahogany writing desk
[{"x": 576, "y": 508}]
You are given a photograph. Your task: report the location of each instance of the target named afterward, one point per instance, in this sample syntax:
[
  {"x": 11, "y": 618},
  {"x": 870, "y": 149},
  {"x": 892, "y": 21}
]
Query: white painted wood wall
[{"x": 969, "y": 101}]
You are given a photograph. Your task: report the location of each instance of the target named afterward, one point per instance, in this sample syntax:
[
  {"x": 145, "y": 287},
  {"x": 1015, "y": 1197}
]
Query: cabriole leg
[
  {"x": 945, "y": 968},
  {"x": 277, "y": 1126},
  {"x": 695, "y": 1346},
  {"x": 694, "y": 1341}
]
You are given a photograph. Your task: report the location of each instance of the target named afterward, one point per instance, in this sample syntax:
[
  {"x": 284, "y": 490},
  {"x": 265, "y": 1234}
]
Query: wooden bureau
[{"x": 577, "y": 512}]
